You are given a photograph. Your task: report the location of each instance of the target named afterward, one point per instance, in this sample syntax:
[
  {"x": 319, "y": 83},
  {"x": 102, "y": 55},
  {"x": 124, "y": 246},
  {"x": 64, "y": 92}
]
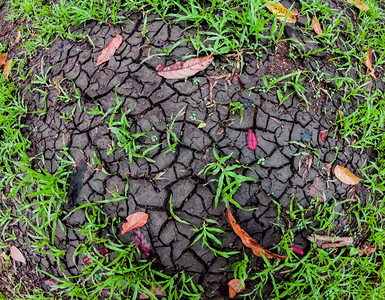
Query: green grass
[{"x": 222, "y": 27}]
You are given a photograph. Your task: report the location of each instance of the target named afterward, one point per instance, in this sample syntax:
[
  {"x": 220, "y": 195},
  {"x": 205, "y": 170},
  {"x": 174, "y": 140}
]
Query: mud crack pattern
[{"x": 283, "y": 168}]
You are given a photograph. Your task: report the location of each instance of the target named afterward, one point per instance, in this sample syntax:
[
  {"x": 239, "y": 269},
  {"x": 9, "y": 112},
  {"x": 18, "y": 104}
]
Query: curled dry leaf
[
  {"x": 17, "y": 255},
  {"x": 109, "y": 51},
  {"x": 257, "y": 249},
  {"x": 345, "y": 176},
  {"x": 359, "y": 4},
  {"x": 186, "y": 68},
  {"x": 316, "y": 25},
  {"x": 7, "y": 68},
  {"x": 134, "y": 220},
  {"x": 368, "y": 63},
  {"x": 368, "y": 249},
  {"x": 281, "y": 12},
  {"x": 235, "y": 287},
  {"x": 3, "y": 58},
  {"x": 251, "y": 140},
  {"x": 18, "y": 36}
]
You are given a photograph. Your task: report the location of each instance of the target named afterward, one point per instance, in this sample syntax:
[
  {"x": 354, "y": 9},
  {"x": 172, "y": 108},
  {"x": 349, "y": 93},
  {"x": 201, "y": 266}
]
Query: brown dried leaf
[
  {"x": 235, "y": 287},
  {"x": 183, "y": 69},
  {"x": 359, "y": 4},
  {"x": 316, "y": 25},
  {"x": 257, "y": 249},
  {"x": 17, "y": 255},
  {"x": 109, "y": 51},
  {"x": 7, "y": 68},
  {"x": 134, "y": 220},
  {"x": 368, "y": 63},
  {"x": 345, "y": 176},
  {"x": 367, "y": 250},
  {"x": 18, "y": 36},
  {"x": 157, "y": 292},
  {"x": 3, "y": 58}
]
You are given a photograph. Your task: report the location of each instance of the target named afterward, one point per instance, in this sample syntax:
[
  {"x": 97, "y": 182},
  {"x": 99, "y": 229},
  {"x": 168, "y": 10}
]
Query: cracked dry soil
[{"x": 281, "y": 166}]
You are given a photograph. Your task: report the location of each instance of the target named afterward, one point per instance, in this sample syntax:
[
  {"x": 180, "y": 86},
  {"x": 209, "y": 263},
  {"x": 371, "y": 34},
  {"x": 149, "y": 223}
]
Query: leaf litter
[
  {"x": 324, "y": 242},
  {"x": 235, "y": 287},
  {"x": 345, "y": 176},
  {"x": 3, "y": 58},
  {"x": 109, "y": 51},
  {"x": 368, "y": 63},
  {"x": 134, "y": 220},
  {"x": 316, "y": 25},
  {"x": 17, "y": 255}
]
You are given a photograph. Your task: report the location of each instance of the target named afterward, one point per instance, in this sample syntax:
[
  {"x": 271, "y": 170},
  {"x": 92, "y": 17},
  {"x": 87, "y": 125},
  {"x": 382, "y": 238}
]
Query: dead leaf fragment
[
  {"x": 235, "y": 287},
  {"x": 156, "y": 292},
  {"x": 368, "y": 249},
  {"x": 7, "y": 68},
  {"x": 316, "y": 25},
  {"x": 18, "y": 36},
  {"x": 3, "y": 58},
  {"x": 134, "y": 220},
  {"x": 345, "y": 176},
  {"x": 281, "y": 12},
  {"x": 324, "y": 241},
  {"x": 257, "y": 249},
  {"x": 17, "y": 255},
  {"x": 368, "y": 63},
  {"x": 109, "y": 51},
  {"x": 359, "y": 4},
  {"x": 186, "y": 68}
]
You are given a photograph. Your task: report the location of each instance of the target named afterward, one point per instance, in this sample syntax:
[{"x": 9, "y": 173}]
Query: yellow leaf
[
  {"x": 345, "y": 176},
  {"x": 281, "y": 12}
]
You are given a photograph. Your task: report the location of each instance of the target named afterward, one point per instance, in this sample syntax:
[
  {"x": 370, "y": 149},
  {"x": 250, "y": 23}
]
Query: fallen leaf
[
  {"x": 17, "y": 255},
  {"x": 144, "y": 246},
  {"x": 324, "y": 241},
  {"x": 317, "y": 188},
  {"x": 109, "y": 51},
  {"x": 186, "y": 68},
  {"x": 316, "y": 25},
  {"x": 368, "y": 63},
  {"x": 367, "y": 250},
  {"x": 345, "y": 176},
  {"x": 3, "y": 58},
  {"x": 134, "y": 220},
  {"x": 7, "y": 68},
  {"x": 251, "y": 140},
  {"x": 281, "y": 12},
  {"x": 235, "y": 287},
  {"x": 156, "y": 292},
  {"x": 359, "y": 4},
  {"x": 18, "y": 36},
  {"x": 257, "y": 249}
]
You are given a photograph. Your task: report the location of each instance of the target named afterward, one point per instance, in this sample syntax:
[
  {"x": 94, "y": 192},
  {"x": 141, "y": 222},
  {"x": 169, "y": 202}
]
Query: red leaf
[
  {"x": 109, "y": 51},
  {"x": 368, "y": 63},
  {"x": 251, "y": 140},
  {"x": 183, "y": 69},
  {"x": 235, "y": 287},
  {"x": 323, "y": 138},
  {"x": 316, "y": 25},
  {"x": 7, "y": 68},
  {"x": 3, "y": 58},
  {"x": 257, "y": 249},
  {"x": 135, "y": 220}
]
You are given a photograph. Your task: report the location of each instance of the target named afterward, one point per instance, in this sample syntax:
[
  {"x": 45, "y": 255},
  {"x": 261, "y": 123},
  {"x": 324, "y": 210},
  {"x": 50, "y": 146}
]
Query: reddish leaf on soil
[
  {"x": 183, "y": 69},
  {"x": 323, "y": 138},
  {"x": 367, "y": 250},
  {"x": 359, "y": 4},
  {"x": 345, "y": 176},
  {"x": 3, "y": 58},
  {"x": 17, "y": 255},
  {"x": 235, "y": 287},
  {"x": 316, "y": 25},
  {"x": 134, "y": 220},
  {"x": 109, "y": 51},
  {"x": 7, "y": 68},
  {"x": 156, "y": 292},
  {"x": 368, "y": 63},
  {"x": 257, "y": 249},
  {"x": 144, "y": 247},
  {"x": 297, "y": 251},
  {"x": 251, "y": 140}
]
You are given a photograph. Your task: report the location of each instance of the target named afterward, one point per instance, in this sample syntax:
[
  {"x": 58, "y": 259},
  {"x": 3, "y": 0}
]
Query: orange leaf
[
  {"x": 316, "y": 25},
  {"x": 3, "y": 58},
  {"x": 235, "y": 286},
  {"x": 368, "y": 63},
  {"x": 134, "y": 220},
  {"x": 345, "y": 176},
  {"x": 7, "y": 68},
  {"x": 183, "y": 69},
  {"x": 359, "y": 4},
  {"x": 109, "y": 51},
  {"x": 257, "y": 249}
]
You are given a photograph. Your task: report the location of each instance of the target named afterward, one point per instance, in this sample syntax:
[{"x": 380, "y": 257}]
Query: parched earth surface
[{"x": 297, "y": 142}]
